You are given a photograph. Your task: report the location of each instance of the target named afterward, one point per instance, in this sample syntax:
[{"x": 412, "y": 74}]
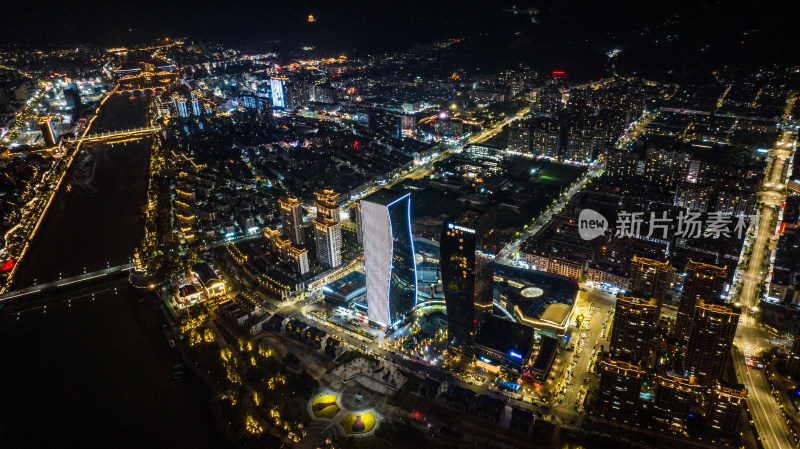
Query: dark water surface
[
  {"x": 95, "y": 371},
  {"x": 96, "y": 219},
  {"x": 92, "y": 367}
]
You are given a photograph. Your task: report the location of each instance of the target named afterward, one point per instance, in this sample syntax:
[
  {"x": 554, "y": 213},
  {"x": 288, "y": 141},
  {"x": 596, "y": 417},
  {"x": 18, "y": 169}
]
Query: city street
[
  {"x": 506, "y": 255},
  {"x": 596, "y": 169},
  {"x": 591, "y": 336},
  {"x": 771, "y": 427}
]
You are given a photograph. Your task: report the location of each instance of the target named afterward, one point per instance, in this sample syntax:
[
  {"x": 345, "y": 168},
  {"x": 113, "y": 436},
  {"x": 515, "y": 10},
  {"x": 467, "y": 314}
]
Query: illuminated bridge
[
  {"x": 115, "y": 134},
  {"x": 72, "y": 281}
]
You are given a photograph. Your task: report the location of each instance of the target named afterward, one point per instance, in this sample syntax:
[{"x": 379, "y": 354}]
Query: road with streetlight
[
  {"x": 506, "y": 255},
  {"x": 771, "y": 427}
]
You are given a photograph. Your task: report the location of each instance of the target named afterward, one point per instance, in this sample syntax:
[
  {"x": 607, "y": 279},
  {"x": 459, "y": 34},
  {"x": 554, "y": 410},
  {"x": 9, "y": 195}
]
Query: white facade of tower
[{"x": 377, "y": 235}]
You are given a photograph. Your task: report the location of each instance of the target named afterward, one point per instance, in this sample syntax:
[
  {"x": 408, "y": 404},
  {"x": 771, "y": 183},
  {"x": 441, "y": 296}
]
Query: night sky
[{"x": 656, "y": 36}]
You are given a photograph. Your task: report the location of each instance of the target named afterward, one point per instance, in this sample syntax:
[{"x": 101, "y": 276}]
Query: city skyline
[{"x": 448, "y": 225}]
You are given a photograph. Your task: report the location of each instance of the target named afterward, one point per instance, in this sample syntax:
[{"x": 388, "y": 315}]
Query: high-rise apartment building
[
  {"x": 328, "y": 204},
  {"x": 675, "y": 394},
  {"x": 634, "y": 327},
  {"x": 292, "y": 219},
  {"x": 649, "y": 278},
  {"x": 519, "y": 138},
  {"x": 726, "y": 406},
  {"x": 620, "y": 386},
  {"x": 712, "y": 329},
  {"x": 328, "y": 235},
  {"x": 702, "y": 282}
]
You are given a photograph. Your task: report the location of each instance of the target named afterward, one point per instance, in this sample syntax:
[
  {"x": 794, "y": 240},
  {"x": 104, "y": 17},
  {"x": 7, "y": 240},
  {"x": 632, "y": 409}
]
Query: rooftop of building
[
  {"x": 538, "y": 295},
  {"x": 347, "y": 284},
  {"x": 476, "y": 220},
  {"x": 385, "y": 197},
  {"x": 506, "y": 337},
  {"x": 205, "y": 273}
]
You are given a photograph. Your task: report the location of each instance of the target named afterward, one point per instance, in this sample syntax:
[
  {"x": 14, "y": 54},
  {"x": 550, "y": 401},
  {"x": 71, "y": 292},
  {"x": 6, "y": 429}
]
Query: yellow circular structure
[
  {"x": 325, "y": 406},
  {"x": 358, "y": 423}
]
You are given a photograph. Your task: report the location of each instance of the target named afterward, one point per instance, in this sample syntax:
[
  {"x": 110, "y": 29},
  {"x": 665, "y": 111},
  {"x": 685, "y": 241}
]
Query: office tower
[
  {"x": 467, "y": 274},
  {"x": 712, "y": 329},
  {"x": 292, "y": 219},
  {"x": 620, "y": 385},
  {"x": 389, "y": 263},
  {"x": 328, "y": 235},
  {"x": 726, "y": 406},
  {"x": 281, "y": 94},
  {"x": 703, "y": 281},
  {"x": 519, "y": 138},
  {"x": 72, "y": 96},
  {"x": 675, "y": 395},
  {"x": 48, "y": 134},
  {"x": 793, "y": 363},
  {"x": 649, "y": 278},
  {"x": 635, "y": 324},
  {"x": 328, "y": 204}
]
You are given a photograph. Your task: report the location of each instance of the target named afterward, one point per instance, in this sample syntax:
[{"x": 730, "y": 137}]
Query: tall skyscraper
[
  {"x": 703, "y": 281},
  {"x": 649, "y": 278},
  {"x": 712, "y": 329},
  {"x": 675, "y": 395},
  {"x": 48, "y": 134},
  {"x": 292, "y": 219},
  {"x": 726, "y": 406},
  {"x": 328, "y": 235},
  {"x": 327, "y": 230},
  {"x": 467, "y": 274},
  {"x": 620, "y": 385},
  {"x": 389, "y": 263},
  {"x": 328, "y": 204},
  {"x": 635, "y": 324},
  {"x": 281, "y": 94}
]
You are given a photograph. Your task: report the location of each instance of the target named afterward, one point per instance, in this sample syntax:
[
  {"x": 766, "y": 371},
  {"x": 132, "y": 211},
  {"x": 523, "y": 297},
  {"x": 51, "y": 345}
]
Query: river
[
  {"x": 96, "y": 219},
  {"x": 92, "y": 366}
]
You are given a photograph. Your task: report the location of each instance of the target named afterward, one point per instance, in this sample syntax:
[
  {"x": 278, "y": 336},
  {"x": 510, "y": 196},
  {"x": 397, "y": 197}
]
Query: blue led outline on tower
[
  {"x": 412, "y": 302},
  {"x": 413, "y": 254}
]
